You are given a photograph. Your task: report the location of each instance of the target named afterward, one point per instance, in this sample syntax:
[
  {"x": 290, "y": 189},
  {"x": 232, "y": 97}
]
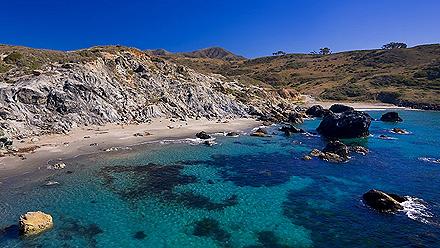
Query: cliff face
[{"x": 118, "y": 85}]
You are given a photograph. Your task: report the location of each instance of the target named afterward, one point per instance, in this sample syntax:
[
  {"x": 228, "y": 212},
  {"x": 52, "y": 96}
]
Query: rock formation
[
  {"x": 383, "y": 202},
  {"x": 349, "y": 124},
  {"x": 391, "y": 117},
  {"x": 33, "y": 223}
]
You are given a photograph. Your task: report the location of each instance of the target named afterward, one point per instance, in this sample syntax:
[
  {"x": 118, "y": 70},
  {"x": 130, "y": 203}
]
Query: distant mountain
[
  {"x": 158, "y": 52},
  {"x": 213, "y": 53}
]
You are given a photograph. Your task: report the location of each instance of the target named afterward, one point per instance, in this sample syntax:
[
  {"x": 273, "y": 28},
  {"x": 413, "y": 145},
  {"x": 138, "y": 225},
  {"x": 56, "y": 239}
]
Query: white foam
[
  {"x": 430, "y": 160},
  {"x": 190, "y": 141},
  {"x": 417, "y": 209}
]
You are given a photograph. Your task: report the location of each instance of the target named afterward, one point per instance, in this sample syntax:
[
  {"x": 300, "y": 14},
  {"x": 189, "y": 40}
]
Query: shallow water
[{"x": 242, "y": 192}]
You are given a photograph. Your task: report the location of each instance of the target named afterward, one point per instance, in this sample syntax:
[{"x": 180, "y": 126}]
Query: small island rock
[
  {"x": 391, "y": 117},
  {"x": 203, "y": 135},
  {"x": 32, "y": 223},
  {"x": 383, "y": 202}
]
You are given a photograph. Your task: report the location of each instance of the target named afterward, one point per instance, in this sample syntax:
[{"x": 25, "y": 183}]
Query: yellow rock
[{"x": 32, "y": 223}]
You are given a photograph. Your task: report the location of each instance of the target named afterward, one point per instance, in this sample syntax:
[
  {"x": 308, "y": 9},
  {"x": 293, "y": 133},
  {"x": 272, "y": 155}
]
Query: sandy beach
[
  {"x": 38, "y": 151},
  {"x": 310, "y": 101}
]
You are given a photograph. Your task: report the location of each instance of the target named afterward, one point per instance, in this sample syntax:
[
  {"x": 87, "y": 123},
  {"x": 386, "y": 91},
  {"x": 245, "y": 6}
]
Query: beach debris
[
  {"x": 170, "y": 127},
  {"x": 33, "y": 223},
  {"x": 86, "y": 137},
  {"x": 57, "y": 166},
  {"x": 391, "y": 117},
  {"x": 383, "y": 202},
  {"x": 35, "y": 140},
  {"x": 93, "y": 144},
  {"x": 203, "y": 135}
]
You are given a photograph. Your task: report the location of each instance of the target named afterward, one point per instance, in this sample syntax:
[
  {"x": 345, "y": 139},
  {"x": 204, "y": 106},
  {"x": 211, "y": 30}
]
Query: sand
[
  {"x": 92, "y": 139},
  {"x": 310, "y": 101}
]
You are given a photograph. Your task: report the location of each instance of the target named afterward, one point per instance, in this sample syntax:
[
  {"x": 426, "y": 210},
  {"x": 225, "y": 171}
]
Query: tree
[
  {"x": 325, "y": 51},
  {"x": 278, "y": 53},
  {"x": 394, "y": 45}
]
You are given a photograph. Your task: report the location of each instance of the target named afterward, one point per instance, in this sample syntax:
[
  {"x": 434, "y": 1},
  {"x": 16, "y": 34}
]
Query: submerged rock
[
  {"x": 349, "y": 124},
  {"x": 383, "y": 202},
  {"x": 33, "y": 223},
  {"x": 399, "y": 131},
  {"x": 290, "y": 129},
  {"x": 391, "y": 117},
  {"x": 203, "y": 135},
  {"x": 359, "y": 149}
]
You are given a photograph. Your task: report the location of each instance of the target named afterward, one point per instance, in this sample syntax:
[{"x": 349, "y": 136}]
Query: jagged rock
[
  {"x": 383, "y": 202},
  {"x": 315, "y": 111},
  {"x": 295, "y": 118},
  {"x": 290, "y": 129},
  {"x": 33, "y": 223},
  {"x": 399, "y": 131},
  {"x": 391, "y": 117},
  {"x": 203, "y": 135},
  {"x": 340, "y": 108},
  {"x": 359, "y": 149},
  {"x": 232, "y": 134},
  {"x": 57, "y": 166},
  {"x": 349, "y": 124},
  {"x": 210, "y": 142},
  {"x": 316, "y": 153},
  {"x": 332, "y": 157},
  {"x": 337, "y": 147}
]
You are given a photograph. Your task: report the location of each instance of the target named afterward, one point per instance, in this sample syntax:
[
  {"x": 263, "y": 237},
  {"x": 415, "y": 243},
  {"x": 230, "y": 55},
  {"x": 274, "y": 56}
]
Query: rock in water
[
  {"x": 383, "y": 202},
  {"x": 349, "y": 124},
  {"x": 260, "y": 132},
  {"x": 340, "y": 108},
  {"x": 233, "y": 134},
  {"x": 315, "y": 111},
  {"x": 57, "y": 166},
  {"x": 33, "y": 223},
  {"x": 391, "y": 117},
  {"x": 337, "y": 147},
  {"x": 203, "y": 135},
  {"x": 290, "y": 129}
]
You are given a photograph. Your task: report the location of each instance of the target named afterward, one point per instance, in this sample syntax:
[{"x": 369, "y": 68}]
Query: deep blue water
[{"x": 242, "y": 192}]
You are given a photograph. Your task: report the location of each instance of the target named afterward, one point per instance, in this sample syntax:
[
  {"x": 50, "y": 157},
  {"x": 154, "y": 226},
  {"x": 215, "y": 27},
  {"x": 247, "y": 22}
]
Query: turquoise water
[{"x": 242, "y": 192}]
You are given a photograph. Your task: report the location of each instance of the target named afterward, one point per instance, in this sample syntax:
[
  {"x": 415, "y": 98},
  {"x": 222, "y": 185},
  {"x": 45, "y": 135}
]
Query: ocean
[{"x": 242, "y": 192}]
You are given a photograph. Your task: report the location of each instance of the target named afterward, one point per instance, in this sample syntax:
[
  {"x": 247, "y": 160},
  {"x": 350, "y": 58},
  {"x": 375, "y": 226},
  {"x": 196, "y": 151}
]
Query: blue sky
[{"x": 249, "y": 28}]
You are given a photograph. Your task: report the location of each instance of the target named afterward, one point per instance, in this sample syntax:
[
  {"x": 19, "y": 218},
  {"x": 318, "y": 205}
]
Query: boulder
[
  {"x": 315, "y": 111},
  {"x": 295, "y": 118},
  {"x": 340, "y": 108},
  {"x": 290, "y": 129},
  {"x": 57, "y": 166},
  {"x": 383, "y": 202},
  {"x": 332, "y": 157},
  {"x": 349, "y": 124},
  {"x": 260, "y": 132},
  {"x": 233, "y": 134},
  {"x": 337, "y": 147},
  {"x": 210, "y": 142},
  {"x": 391, "y": 117},
  {"x": 33, "y": 223},
  {"x": 203, "y": 135},
  {"x": 307, "y": 157}
]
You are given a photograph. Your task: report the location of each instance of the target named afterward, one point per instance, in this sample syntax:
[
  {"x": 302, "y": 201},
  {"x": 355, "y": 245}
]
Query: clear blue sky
[{"x": 250, "y": 28}]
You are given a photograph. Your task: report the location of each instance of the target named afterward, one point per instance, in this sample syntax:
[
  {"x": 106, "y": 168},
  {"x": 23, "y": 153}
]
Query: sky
[{"x": 249, "y": 28}]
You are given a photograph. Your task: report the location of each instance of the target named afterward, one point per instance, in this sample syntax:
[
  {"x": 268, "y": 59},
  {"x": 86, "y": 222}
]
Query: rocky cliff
[{"x": 52, "y": 91}]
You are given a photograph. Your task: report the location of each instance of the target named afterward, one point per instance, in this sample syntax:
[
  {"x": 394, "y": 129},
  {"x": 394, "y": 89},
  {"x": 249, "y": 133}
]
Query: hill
[{"x": 406, "y": 77}]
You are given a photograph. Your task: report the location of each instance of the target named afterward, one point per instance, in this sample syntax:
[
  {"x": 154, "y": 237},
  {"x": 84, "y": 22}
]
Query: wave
[
  {"x": 418, "y": 210},
  {"x": 430, "y": 160},
  {"x": 190, "y": 141}
]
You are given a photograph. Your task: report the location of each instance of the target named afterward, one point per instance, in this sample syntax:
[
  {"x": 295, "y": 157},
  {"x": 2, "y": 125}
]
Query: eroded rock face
[
  {"x": 383, "y": 202},
  {"x": 33, "y": 223},
  {"x": 340, "y": 108},
  {"x": 349, "y": 124},
  {"x": 391, "y": 117}
]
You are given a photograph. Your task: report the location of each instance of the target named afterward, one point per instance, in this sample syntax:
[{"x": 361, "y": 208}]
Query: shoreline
[
  {"x": 360, "y": 106},
  {"x": 95, "y": 139}
]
